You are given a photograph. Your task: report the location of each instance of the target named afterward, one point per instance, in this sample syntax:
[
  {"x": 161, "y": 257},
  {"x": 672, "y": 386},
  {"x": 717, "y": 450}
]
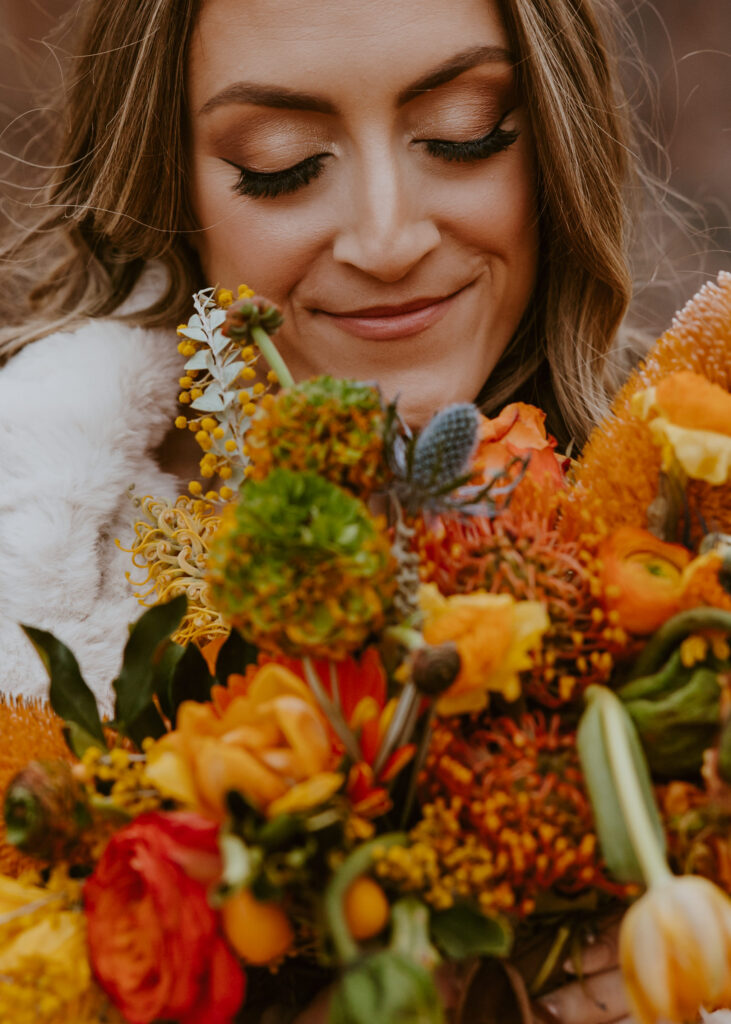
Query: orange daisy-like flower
[
  {"x": 29, "y": 730},
  {"x": 617, "y": 476}
]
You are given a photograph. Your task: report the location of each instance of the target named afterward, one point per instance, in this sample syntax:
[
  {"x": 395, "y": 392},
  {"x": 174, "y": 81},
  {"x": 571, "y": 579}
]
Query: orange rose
[
  {"x": 642, "y": 578},
  {"x": 494, "y": 635},
  {"x": 154, "y": 940},
  {"x": 519, "y": 430},
  {"x": 271, "y": 743}
]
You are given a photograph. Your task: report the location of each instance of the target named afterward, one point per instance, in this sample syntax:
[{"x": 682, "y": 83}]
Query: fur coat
[{"x": 81, "y": 414}]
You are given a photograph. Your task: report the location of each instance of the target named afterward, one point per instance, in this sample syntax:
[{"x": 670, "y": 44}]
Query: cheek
[{"x": 240, "y": 241}]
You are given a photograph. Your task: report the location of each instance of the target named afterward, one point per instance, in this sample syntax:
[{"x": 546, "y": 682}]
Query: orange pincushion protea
[
  {"x": 505, "y": 819},
  {"x": 617, "y": 477},
  {"x": 29, "y": 730},
  {"x": 522, "y": 553}
]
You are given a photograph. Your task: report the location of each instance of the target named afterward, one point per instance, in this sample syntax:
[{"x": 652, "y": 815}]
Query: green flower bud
[
  {"x": 387, "y": 988},
  {"x": 45, "y": 810}
]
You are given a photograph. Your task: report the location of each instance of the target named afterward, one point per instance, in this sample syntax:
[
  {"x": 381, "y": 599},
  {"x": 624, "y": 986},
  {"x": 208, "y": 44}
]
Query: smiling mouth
[{"x": 389, "y": 323}]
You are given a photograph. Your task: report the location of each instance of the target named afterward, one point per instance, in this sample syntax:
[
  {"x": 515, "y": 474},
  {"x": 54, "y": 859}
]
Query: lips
[{"x": 389, "y": 323}]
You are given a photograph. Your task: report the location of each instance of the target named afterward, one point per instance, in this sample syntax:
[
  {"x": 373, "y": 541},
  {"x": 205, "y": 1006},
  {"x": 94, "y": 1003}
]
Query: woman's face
[{"x": 368, "y": 166}]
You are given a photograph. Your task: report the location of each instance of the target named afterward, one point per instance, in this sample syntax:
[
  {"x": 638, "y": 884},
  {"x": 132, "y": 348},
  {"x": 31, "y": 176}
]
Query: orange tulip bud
[{"x": 642, "y": 578}]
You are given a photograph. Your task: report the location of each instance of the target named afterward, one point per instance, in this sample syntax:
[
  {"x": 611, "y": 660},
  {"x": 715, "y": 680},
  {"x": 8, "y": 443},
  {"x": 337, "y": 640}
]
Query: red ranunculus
[{"x": 154, "y": 939}]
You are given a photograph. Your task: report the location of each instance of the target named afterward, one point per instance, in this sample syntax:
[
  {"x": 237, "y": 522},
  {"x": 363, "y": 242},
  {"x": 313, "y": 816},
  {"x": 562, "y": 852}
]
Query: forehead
[{"x": 336, "y": 45}]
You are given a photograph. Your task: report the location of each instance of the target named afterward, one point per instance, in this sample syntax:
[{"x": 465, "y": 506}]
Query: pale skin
[{"x": 370, "y": 168}]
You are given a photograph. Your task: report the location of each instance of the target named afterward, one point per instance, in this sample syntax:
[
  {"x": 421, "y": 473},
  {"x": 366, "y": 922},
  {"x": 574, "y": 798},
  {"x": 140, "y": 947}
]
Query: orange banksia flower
[{"x": 617, "y": 476}]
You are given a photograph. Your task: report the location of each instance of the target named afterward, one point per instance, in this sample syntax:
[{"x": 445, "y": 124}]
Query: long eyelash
[
  {"x": 260, "y": 185},
  {"x": 495, "y": 141}
]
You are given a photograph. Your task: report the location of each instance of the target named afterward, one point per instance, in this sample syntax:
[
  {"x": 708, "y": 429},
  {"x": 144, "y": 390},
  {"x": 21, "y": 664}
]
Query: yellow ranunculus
[
  {"x": 271, "y": 743},
  {"x": 494, "y": 635},
  {"x": 690, "y": 418},
  {"x": 675, "y": 950}
]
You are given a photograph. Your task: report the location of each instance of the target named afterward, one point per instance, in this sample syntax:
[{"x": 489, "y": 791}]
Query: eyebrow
[{"x": 280, "y": 97}]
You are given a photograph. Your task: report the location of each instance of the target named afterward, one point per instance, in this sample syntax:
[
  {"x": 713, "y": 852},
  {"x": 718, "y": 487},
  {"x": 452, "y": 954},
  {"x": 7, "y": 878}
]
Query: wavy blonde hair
[{"x": 117, "y": 198}]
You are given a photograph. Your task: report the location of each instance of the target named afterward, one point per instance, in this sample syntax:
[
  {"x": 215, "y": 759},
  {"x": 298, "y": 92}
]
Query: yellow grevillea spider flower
[
  {"x": 494, "y": 635},
  {"x": 675, "y": 950},
  {"x": 690, "y": 419}
]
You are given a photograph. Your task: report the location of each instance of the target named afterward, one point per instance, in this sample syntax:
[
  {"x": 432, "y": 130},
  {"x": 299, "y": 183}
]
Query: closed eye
[
  {"x": 269, "y": 184},
  {"x": 495, "y": 141}
]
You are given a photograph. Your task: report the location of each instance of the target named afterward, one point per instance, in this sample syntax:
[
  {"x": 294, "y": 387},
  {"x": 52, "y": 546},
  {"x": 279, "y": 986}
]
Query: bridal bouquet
[{"x": 398, "y": 699}]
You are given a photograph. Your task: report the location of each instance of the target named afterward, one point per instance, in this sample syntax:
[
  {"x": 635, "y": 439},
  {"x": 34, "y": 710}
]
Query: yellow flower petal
[
  {"x": 704, "y": 455},
  {"x": 308, "y": 794},
  {"x": 170, "y": 773}
]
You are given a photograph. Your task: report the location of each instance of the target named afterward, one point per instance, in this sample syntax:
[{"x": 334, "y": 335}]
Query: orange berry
[
  {"x": 259, "y": 932},
  {"x": 366, "y": 908}
]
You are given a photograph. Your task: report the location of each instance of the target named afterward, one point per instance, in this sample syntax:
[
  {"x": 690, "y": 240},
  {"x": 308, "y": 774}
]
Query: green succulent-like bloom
[
  {"x": 328, "y": 426},
  {"x": 301, "y": 567}
]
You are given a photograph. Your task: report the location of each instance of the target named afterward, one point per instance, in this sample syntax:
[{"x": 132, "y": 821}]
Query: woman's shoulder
[{"x": 102, "y": 370}]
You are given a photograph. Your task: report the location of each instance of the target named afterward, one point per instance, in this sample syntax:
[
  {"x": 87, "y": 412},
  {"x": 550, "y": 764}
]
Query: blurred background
[{"x": 686, "y": 45}]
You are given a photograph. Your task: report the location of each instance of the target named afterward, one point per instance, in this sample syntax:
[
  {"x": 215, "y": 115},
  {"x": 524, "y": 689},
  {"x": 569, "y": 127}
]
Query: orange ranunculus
[
  {"x": 271, "y": 743},
  {"x": 642, "y": 578},
  {"x": 154, "y": 940},
  {"x": 494, "y": 635},
  {"x": 519, "y": 430}
]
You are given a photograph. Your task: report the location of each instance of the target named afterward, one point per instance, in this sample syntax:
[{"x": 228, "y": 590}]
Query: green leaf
[
  {"x": 600, "y": 764},
  {"x": 234, "y": 656},
  {"x": 163, "y": 675},
  {"x": 462, "y": 931},
  {"x": 135, "y": 685},
  {"x": 190, "y": 679},
  {"x": 69, "y": 695},
  {"x": 77, "y": 739},
  {"x": 149, "y": 723}
]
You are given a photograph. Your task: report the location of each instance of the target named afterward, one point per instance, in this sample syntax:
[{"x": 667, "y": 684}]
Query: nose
[{"x": 385, "y": 232}]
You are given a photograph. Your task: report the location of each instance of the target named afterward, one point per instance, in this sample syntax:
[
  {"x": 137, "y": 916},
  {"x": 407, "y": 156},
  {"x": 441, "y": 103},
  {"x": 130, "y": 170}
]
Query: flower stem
[
  {"x": 648, "y": 852},
  {"x": 353, "y": 867},
  {"x": 270, "y": 352},
  {"x": 418, "y": 764}
]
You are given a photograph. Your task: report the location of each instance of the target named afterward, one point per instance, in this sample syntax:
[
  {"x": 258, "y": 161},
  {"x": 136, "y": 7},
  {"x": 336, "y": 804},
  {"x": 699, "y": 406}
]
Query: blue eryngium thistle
[{"x": 444, "y": 448}]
